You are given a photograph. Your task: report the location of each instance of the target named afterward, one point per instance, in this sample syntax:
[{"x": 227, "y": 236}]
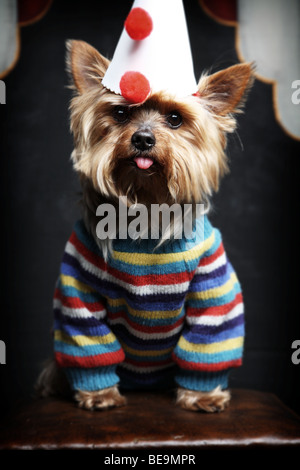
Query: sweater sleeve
[
  {"x": 84, "y": 345},
  {"x": 212, "y": 339}
]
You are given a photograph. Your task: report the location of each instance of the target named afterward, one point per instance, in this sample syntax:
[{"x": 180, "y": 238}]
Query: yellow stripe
[
  {"x": 215, "y": 292},
  {"x": 148, "y": 259},
  {"x": 81, "y": 340},
  {"x": 156, "y": 314},
  {"x": 72, "y": 282},
  {"x": 146, "y": 353},
  {"x": 159, "y": 314},
  {"x": 212, "y": 348}
]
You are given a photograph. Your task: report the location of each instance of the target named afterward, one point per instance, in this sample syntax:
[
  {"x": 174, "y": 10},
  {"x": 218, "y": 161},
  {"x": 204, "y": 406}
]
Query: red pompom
[
  {"x": 134, "y": 87},
  {"x": 138, "y": 24}
]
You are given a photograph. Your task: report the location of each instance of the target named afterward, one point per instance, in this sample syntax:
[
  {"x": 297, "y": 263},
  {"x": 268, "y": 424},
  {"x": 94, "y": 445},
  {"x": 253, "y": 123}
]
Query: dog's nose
[{"x": 143, "y": 139}]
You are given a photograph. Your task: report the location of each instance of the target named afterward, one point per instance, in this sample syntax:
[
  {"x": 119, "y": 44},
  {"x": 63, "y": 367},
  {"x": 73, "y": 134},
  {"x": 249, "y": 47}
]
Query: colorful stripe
[{"x": 149, "y": 312}]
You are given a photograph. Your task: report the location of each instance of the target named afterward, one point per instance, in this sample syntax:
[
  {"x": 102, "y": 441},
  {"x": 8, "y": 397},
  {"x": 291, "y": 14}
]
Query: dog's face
[{"x": 163, "y": 150}]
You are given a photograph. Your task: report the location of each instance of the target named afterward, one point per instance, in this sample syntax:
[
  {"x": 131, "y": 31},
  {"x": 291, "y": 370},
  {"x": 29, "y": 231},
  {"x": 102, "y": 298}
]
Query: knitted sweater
[{"x": 148, "y": 317}]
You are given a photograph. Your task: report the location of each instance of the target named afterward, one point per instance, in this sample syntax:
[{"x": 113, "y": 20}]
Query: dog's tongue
[{"x": 143, "y": 163}]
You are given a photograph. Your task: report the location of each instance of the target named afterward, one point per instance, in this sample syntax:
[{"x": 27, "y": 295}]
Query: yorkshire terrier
[{"x": 144, "y": 314}]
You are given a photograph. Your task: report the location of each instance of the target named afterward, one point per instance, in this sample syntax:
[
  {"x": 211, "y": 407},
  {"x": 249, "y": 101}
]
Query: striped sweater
[{"x": 148, "y": 317}]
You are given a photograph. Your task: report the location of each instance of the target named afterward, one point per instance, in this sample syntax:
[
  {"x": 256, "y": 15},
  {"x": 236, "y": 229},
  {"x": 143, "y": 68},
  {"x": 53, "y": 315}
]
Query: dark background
[{"x": 256, "y": 208}]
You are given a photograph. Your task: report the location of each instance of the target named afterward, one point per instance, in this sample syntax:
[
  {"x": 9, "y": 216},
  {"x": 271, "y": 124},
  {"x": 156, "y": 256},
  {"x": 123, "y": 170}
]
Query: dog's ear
[
  {"x": 86, "y": 65},
  {"x": 226, "y": 91}
]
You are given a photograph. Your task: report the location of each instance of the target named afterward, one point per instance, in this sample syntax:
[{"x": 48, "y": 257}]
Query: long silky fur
[{"x": 190, "y": 160}]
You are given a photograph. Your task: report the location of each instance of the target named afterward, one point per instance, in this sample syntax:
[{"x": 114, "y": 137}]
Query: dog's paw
[
  {"x": 216, "y": 400},
  {"x": 100, "y": 399}
]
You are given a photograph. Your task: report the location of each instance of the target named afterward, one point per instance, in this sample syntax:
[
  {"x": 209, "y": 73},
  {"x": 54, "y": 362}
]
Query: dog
[{"x": 130, "y": 318}]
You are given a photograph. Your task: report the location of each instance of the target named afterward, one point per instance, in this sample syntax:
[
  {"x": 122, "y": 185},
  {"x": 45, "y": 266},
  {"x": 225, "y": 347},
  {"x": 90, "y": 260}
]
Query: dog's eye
[
  {"x": 174, "y": 120},
  {"x": 121, "y": 113}
]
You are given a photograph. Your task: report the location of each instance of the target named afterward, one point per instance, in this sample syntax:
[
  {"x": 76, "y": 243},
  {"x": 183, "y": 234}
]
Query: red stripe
[
  {"x": 217, "y": 310},
  {"x": 76, "y": 302},
  {"x": 210, "y": 259},
  {"x": 145, "y": 328},
  {"x": 93, "y": 258},
  {"x": 147, "y": 279},
  {"x": 207, "y": 367},
  {"x": 151, "y": 279},
  {"x": 99, "y": 360}
]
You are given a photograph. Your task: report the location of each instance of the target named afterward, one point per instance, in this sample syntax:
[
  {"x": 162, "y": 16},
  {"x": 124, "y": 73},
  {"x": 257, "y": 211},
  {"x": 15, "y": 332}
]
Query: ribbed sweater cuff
[
  {"x": 201, "y": 381},
  {"x": 92, "y": 379}
]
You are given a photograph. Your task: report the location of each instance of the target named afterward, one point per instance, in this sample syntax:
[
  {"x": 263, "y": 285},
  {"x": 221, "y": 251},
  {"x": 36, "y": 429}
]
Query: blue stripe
[
  {"x": 217, "y": 273},
  {"x": 158, "y": 269},
  {"x": 69, "y": 291},
  {"x": 230, "y": 329},
  {"x": 208, "y": 358},
  {"x": 71, "y": 330},
  {"x": 94, "y": 378},
  {"x": 85, "y": 351},
  {"x": 200, "y": 284},
  {"x": 216, "y": 301},
  {"x": 75, "y": 321},
  {"x": 204, "y": 381},
  {"x": 81, "y": 328}
]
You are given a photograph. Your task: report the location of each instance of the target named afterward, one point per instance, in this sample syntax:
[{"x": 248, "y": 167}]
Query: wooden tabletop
[{"x": 152, "y": 420}]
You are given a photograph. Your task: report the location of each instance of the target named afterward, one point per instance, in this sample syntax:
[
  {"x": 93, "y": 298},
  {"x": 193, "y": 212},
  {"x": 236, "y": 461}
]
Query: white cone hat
[{"x": 153, "y": 53}]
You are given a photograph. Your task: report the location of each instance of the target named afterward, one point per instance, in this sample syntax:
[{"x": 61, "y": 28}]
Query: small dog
[{"x": 174, "y": 313}]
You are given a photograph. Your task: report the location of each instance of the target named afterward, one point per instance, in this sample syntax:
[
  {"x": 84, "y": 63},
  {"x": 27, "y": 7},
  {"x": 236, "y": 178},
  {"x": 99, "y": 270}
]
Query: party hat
[{"x": 153, "y": 53}]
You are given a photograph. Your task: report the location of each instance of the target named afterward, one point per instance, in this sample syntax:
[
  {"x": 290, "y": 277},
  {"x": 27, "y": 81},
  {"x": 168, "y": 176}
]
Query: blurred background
[{"x": 256, "y": 209}]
